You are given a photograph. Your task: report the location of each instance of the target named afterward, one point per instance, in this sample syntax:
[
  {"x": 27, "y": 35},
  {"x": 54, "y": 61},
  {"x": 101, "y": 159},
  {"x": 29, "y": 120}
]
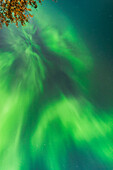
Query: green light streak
[
  {"x": 54, "y": 123},
  {"x": 81, "y": 123}
]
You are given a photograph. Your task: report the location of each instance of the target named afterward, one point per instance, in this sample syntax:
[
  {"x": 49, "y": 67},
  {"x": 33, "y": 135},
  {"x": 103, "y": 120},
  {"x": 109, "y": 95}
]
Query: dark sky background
[{"x": 94, "y": 20}]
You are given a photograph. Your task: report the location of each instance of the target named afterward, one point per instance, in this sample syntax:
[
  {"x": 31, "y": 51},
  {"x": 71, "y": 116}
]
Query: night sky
[{"x": 56, "y": 88}]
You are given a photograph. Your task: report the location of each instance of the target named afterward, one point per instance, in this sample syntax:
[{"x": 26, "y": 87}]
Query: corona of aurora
[{"x": 47, "y": 120}]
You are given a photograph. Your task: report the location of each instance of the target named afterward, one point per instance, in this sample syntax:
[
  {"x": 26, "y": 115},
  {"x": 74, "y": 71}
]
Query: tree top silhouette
[{"x": 15, "y": 11}]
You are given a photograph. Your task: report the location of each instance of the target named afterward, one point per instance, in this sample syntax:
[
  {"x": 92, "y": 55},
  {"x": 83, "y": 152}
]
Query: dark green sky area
[{"x": 56, "y": 88}]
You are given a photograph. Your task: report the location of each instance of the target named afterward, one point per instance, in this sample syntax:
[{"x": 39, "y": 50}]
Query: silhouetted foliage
[{"x": 15, "y": 11}]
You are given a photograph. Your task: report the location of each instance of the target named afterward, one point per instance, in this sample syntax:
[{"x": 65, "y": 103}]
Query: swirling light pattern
[{"x": 47, "y": 121}]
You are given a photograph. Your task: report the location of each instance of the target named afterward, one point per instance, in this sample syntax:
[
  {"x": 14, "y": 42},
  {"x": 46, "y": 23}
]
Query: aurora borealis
[{"x": 48, "y": 120}]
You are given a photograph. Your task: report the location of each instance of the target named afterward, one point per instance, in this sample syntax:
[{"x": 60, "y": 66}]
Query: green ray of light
[
  {"x": 81, "y": 123},
  {"x": 24, "y": 69}
]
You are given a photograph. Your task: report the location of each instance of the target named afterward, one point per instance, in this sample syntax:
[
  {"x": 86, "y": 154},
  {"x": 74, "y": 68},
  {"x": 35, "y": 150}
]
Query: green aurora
[{"x": 45, "y": 112}]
